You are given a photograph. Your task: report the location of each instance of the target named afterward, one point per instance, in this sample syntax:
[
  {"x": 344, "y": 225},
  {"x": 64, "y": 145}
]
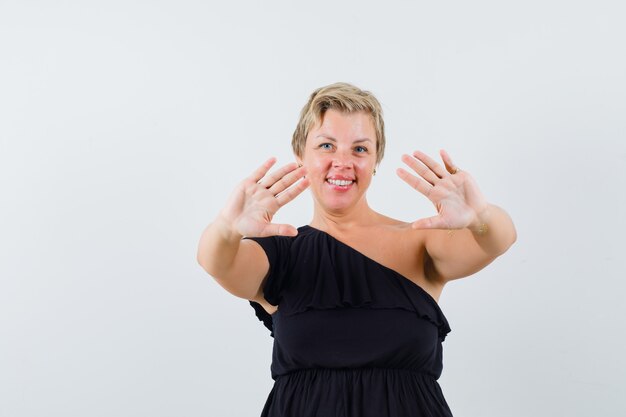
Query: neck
[{"x": 342, "y": 220}]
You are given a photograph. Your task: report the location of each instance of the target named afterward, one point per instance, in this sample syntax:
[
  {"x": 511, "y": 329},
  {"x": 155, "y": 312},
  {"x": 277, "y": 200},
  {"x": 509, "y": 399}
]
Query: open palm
[
  {"x": 454, "y": 193},
  {"x": 254, "y": 202}
]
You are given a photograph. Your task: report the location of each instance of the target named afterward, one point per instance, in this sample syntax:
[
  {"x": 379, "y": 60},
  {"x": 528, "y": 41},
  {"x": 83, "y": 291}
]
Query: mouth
[{"x": 339, "y": 184}]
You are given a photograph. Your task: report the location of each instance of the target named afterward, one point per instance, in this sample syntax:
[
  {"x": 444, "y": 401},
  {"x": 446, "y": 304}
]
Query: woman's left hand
[{"x": 454, "y": 193}]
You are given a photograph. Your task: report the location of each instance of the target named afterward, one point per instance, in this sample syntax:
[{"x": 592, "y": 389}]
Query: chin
[{"x": 337, "y": 204}]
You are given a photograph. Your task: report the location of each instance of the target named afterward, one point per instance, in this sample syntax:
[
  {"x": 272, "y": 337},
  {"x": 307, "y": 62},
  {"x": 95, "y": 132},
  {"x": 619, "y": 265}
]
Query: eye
[
  {"x": 327, "y": 146},
  {"x": 360, "y": 149}
]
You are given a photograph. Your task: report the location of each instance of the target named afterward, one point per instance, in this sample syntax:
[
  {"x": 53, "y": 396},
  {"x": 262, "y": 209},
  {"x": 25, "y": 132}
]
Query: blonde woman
[{"x": 351, "y": 298}]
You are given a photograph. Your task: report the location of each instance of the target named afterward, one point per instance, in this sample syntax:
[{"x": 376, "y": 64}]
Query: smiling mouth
[{"x": 340, "y": 183}]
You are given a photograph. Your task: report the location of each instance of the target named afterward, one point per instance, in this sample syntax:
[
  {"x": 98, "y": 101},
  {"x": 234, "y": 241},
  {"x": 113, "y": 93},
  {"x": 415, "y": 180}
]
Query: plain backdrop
[{"x": 124, "y": 125}]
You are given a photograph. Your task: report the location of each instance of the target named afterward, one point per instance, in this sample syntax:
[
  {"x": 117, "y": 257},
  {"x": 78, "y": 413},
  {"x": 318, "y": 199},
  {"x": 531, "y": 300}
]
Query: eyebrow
[{"x": 335, "y": 140}]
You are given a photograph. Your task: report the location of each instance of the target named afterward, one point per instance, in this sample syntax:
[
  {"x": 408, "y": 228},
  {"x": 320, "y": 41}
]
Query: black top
[{"x": 352, "y": 338}]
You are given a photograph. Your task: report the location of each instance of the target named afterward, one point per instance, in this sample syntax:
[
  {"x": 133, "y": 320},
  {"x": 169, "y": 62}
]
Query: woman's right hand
[{"x": 255, "y": 201}]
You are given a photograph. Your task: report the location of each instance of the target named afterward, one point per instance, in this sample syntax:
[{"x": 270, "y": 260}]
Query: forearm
[
  {"x": 493, "y": 230},
  {"x": 218, "y": 247}
]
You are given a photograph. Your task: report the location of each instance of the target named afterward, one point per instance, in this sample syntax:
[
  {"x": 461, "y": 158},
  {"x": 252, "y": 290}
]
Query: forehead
[{"x": 343, "y": 125}]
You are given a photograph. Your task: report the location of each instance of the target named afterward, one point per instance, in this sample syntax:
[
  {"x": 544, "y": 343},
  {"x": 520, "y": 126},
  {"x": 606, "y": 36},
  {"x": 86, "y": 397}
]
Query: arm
[
  {"x": 458, "y": 253},
  {"x": 468, "y": 233},
  {"x": 240, "y": 266}
]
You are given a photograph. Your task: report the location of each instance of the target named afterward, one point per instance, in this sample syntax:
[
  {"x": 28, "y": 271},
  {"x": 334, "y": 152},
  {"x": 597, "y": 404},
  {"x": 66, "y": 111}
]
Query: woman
[{"x": 351, "y": 299}]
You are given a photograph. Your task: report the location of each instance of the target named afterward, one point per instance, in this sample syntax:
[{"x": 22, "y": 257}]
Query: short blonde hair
[{"x": 345, "y": 98}]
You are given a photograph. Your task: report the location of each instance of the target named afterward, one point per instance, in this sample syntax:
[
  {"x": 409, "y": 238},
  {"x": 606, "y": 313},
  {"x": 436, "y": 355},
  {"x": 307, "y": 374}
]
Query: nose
[{"x": 342, "y": 160}]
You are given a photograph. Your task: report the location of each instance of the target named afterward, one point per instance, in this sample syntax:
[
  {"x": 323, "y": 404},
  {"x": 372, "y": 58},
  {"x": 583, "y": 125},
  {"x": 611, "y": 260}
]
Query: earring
[{"x": 374, "y": 173}]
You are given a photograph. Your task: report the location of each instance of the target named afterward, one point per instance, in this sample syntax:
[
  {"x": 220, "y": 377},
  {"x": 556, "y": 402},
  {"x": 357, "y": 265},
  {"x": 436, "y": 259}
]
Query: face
[{"x": 340, "y": 157}]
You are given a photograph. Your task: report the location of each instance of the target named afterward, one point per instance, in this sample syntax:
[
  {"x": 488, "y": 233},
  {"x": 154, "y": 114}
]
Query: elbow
[
  {"x": 212, "y": 269},
  {"x": 512, "y": 238},
  {"x": 204, "y": 260},
  {"x": 201, "y": 261},
  {"x": 205, "y": 264},
  {"x": 504, "y": 243},
  {"x": 507, "y": 237},
  {"x": 207, "y": 267},
  {"x": 512, "y": 234}
]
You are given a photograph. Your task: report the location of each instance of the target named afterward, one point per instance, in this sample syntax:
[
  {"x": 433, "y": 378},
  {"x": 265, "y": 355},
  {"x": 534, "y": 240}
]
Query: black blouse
[{"x": 351, "y": 336}]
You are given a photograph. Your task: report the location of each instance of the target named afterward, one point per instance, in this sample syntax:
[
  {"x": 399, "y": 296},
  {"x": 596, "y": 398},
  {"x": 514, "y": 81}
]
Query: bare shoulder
[
  {"x": 394, "y": 244},
  {"x": 404, "y": 250},
  {"x": 400, "y": 234}
]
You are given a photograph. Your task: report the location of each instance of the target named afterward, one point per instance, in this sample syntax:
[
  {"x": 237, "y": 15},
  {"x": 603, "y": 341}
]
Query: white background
[{"x": 125, "y": 124}]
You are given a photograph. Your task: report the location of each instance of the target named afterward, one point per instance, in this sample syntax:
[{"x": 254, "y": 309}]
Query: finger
[
  {"x": 262, "y": 170},
  {"x": 279, "y": 230},
  {"x": 286, "y": 181},
  {"x": 419, "y": 184},
  {"x": 430, "y": 163},
  {"x": 434, "y": 222},
  {"x": 420, "y": 168},
  {"x": 291, "y": 193},
  {"x": 271, "y": 178},
  {"x": 450, "y": 166}
]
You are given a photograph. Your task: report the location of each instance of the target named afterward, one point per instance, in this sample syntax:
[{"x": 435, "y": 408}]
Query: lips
[{"x": 340, "y": 183}]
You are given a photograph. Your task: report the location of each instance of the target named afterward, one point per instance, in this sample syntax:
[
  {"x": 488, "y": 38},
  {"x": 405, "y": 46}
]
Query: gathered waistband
[{"x": 359, "y": 372}]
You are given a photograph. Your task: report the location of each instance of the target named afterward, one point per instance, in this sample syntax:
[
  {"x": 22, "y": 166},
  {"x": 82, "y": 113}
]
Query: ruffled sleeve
[{"x": 277, "y": 250}]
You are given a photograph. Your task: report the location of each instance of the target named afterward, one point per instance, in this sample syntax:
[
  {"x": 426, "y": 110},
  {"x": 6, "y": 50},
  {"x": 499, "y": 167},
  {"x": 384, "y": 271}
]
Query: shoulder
[
  {"x": 405, "y": 247},
  {"x": 400, "y": 232},
  {"x": 390, "y": 242}
]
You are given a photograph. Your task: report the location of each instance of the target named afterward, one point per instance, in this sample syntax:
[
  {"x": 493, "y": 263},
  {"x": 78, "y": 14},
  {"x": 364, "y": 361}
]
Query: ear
[{"x": 298, "y": 160}]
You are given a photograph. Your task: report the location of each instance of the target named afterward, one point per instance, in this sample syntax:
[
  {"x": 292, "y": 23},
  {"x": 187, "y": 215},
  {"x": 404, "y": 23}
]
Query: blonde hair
[{"x": 345, "y": 98}]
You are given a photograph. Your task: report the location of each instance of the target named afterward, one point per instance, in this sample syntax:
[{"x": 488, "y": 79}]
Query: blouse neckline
[{"x": 396, "y": 273}]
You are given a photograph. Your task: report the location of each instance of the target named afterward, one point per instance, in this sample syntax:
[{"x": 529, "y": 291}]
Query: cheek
[
  {"x": 317, "y": 166},
  {"x": 365, "y": 166}
]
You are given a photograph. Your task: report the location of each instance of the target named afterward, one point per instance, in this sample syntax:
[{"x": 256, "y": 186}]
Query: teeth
[{"x": 342, "y": 183}]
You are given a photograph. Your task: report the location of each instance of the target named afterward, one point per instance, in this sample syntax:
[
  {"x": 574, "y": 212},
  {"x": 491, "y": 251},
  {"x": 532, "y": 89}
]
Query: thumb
[
  {"x": 280, "y": 230},
  {"x": 434, "y": 222}
]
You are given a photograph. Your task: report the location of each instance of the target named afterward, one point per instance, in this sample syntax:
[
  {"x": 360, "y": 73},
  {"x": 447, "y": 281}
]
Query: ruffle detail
[{"x": 325, "y": 273}]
